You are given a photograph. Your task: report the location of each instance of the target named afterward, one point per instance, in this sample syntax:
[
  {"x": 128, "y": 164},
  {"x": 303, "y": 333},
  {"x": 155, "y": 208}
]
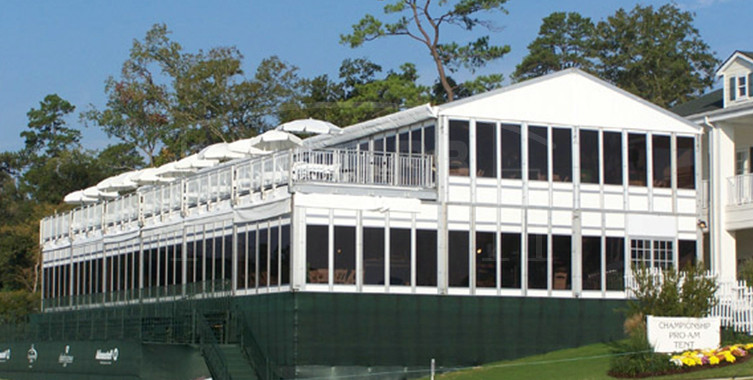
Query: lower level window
[{"x": 649, "y": 253}]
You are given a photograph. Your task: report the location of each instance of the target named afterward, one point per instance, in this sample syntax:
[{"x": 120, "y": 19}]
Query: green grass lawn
[{"x": 587, "y": 362}]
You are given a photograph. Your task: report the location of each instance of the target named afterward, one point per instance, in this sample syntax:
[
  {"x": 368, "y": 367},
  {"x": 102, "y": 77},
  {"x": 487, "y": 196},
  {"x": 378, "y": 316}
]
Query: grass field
[{"x": 587, "y": 363}]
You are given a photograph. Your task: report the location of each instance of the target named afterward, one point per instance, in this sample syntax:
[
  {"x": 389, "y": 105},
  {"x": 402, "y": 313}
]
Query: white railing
[
  {"x": 225, "y": 184},
  {"x": 740, "y": 189}
]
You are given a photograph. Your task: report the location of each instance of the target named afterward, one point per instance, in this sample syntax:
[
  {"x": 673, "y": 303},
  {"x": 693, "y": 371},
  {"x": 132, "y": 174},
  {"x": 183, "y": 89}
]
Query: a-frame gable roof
[
  {"x": 743, "y": 55},
  {"x": 570, "y": 98}
]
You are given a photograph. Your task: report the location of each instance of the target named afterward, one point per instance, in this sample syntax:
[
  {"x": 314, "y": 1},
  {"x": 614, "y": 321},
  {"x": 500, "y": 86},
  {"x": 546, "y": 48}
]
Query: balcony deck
[
  {"x": 246, "y": 182},
  {"x": 739, "y": 208}
]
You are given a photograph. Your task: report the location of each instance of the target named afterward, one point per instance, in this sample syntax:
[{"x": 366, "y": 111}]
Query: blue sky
[{"x": 71, "y": 47}]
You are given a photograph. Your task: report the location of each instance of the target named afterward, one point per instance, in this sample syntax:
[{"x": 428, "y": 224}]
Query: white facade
[
  {"x": 551, "y": 187},
  {"x": 727, "y": 118}
]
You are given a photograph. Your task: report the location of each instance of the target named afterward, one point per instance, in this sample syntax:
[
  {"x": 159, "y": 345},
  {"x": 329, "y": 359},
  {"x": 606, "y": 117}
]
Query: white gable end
[{"x": 570, "y": 98}]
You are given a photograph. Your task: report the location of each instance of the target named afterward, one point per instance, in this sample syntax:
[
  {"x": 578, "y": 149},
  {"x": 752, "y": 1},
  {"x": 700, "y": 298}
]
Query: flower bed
[{"x": 726, "y": 354}]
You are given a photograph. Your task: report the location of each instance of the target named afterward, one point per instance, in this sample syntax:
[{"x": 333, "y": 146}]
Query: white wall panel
[
  {"x": 591, "y": 219},
  {"x": 562, "y": 218},
  {"x": 537, "y": 217}
]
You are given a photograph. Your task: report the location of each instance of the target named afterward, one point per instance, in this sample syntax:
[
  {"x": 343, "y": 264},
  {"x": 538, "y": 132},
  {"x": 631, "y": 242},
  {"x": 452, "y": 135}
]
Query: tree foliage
[
  {"x": 422, "y": 22},
  {"x": 564, "y": 41},
  {"x": 655, "y": 53},
  {"x": 672, "y": 294}
]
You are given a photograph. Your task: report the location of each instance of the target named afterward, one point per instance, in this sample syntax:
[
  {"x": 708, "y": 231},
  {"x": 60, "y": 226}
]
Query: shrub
[{"x": 685, "y": 294}]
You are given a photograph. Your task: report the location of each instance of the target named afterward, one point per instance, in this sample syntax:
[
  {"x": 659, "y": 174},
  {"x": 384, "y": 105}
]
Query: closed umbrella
[{"x": 319, "y": 127}]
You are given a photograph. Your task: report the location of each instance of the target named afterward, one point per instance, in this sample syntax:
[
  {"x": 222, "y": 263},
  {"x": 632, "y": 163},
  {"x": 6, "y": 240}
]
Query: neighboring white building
[
  {"x": 727, "y": 118},
  {"x": 547, "y": 188}
]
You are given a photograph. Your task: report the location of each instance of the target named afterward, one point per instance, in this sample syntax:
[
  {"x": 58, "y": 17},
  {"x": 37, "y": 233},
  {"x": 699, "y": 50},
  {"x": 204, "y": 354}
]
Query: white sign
[
  {"x": 675, "y": 334},
  {"x": 106, "y": 357},
  {"x": 5, "y": 355},
  {"x": 66, "y": 358}
]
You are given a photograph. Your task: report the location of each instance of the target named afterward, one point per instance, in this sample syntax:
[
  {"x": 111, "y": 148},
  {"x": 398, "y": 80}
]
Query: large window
[
  {"x": 429, "y": 145},
  {"x": 486, "y": 150},
  {"x": 486, "y": 260},
  {"x": 400, "y": 243},
  {"x": 426, "y": 258},
  {"x": 685, "y": 163},
  {"x": 510, "y": 260},
  {"x": 637, "y": 159},
  {"x": 510, "y": 144},
  {"x": 285, "y": 254},
  {"x": 458, "y": 258},
  {"x": 562, "y": 155},
  {"x": 459, "y": 148},
  {"x": 263, "y": 250},
  {"x": 345, "y": 255},
  {"x": 317, "y": 261},
  {"x": 612, "y": 158},
  {"x": 591, "y": 262},
  {"x": 373, "y": 255},
  {"x": 537, "y": 261},
  {"x": 662, "y": 161},
  {"x": 615, "y": 266},
  {"x": 538, "y": 149},
  {"x": 651, "y": 253},
  {"x": 561, "y": 262},
  {"x": 686, "y": 253},
  {"x": 274, "y": 256},
  {"x": 589, "y": 156}
]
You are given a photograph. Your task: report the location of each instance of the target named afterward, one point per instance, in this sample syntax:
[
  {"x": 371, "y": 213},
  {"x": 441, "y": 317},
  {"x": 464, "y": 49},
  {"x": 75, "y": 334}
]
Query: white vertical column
[{"x": 723, "y": 245}]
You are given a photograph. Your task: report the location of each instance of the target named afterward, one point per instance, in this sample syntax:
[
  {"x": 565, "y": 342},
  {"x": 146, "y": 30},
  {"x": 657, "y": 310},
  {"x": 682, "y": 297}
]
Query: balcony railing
[
  {"x": 238, "y": 182},
  {"x": 740, "y": 190}
]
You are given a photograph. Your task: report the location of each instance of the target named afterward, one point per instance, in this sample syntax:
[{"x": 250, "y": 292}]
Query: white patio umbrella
[
  {"x": 319, "y": 127},
  {"x": 150, "y": 176},
  {"x": 245, "y": 147},
  {"x": 93, "y": 192},
  {"x": 193, "y": 162},
  {"x": 169, "y": 170},
  {"x": 120, "y": 182},
  {"x": 78, "y": 198},
  {"x": 220, "y": 151},
  {"x": 276, "y": 140}
]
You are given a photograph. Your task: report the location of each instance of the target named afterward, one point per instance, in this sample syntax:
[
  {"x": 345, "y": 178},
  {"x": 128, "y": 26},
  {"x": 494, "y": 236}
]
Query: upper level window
[
  {"x": 486, "y": 150},
  {"x": 459, "y": 142},
  {"x": 538, "y": 149},
  {"x": 742, "y": 87}
]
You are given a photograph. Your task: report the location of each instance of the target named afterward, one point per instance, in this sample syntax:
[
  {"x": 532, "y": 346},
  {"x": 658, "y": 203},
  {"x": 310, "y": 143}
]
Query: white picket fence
[{"x": 734, "y": 301}]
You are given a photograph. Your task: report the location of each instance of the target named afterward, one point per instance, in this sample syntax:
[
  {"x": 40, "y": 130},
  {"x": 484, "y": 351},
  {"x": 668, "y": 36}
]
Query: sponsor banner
[{"x": 676, "y": 334}]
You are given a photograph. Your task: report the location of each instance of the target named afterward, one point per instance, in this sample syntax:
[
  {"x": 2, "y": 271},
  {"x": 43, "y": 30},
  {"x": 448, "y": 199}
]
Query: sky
[{"x": 71, "y": 47}]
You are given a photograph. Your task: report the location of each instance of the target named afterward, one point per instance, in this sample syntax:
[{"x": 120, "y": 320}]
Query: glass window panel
[
  {"x": 458, "y": 258},
  {"x": 537, "y": 261},
  {"x": 561, "y": 262},
  {"x": 538, "y": 149},
  {"x": 562, "y": 155},
  {"x": 637, "y": 159},
  {"x": 345, "y": 255},
  {"x": 429, "y": 140},
  {"x": 241, "y": 261},
  {"x": 400, "y": 256},
  {"x": 253, "y": 269},
  {"x": 615, "y": 266},
  {"x": 373, "y": 256},
  {"x": 403, "y": 140},
  {"x": 285, "y": 255},
  {"x": 426, "y": 258},
  {"x": 686, "y": 163},
  {"x": 201, "y": 260},
  {"x": 486, "y": 260},
  {"x": 591, "y": 257},
  {"x": 731, "y": 88},
  {"x": 316, "y": 254},
  {"x": 364, "y": 146},
  {"x": 415, "y": 141},
  {"x": 379, "y": 145},
  {"x": 217, "y": 264},
  {"x": 170, "y": 265},
  {"x": 612, "y": 158},
  {"x": 486, "y": 150},
  {"x": 662, "y": 161},
  {"x": 510, "y": 144},
  {"x": 686, "y": 254},
  {"x": 263, "y": 251},
  {"x": 389, "y": 144},
  {"x": 153, "y": 267},
  {"x": 589, "y": 156},
  {"x": 510, "y": 260},
  {"x": 459, "y": 148},
  {"x": 274, "y": 256}
]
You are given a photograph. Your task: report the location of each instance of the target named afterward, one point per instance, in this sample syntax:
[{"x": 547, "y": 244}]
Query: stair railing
[
  {"x": 210, "y": 349},
  {"x": 265, "y": 368}
]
